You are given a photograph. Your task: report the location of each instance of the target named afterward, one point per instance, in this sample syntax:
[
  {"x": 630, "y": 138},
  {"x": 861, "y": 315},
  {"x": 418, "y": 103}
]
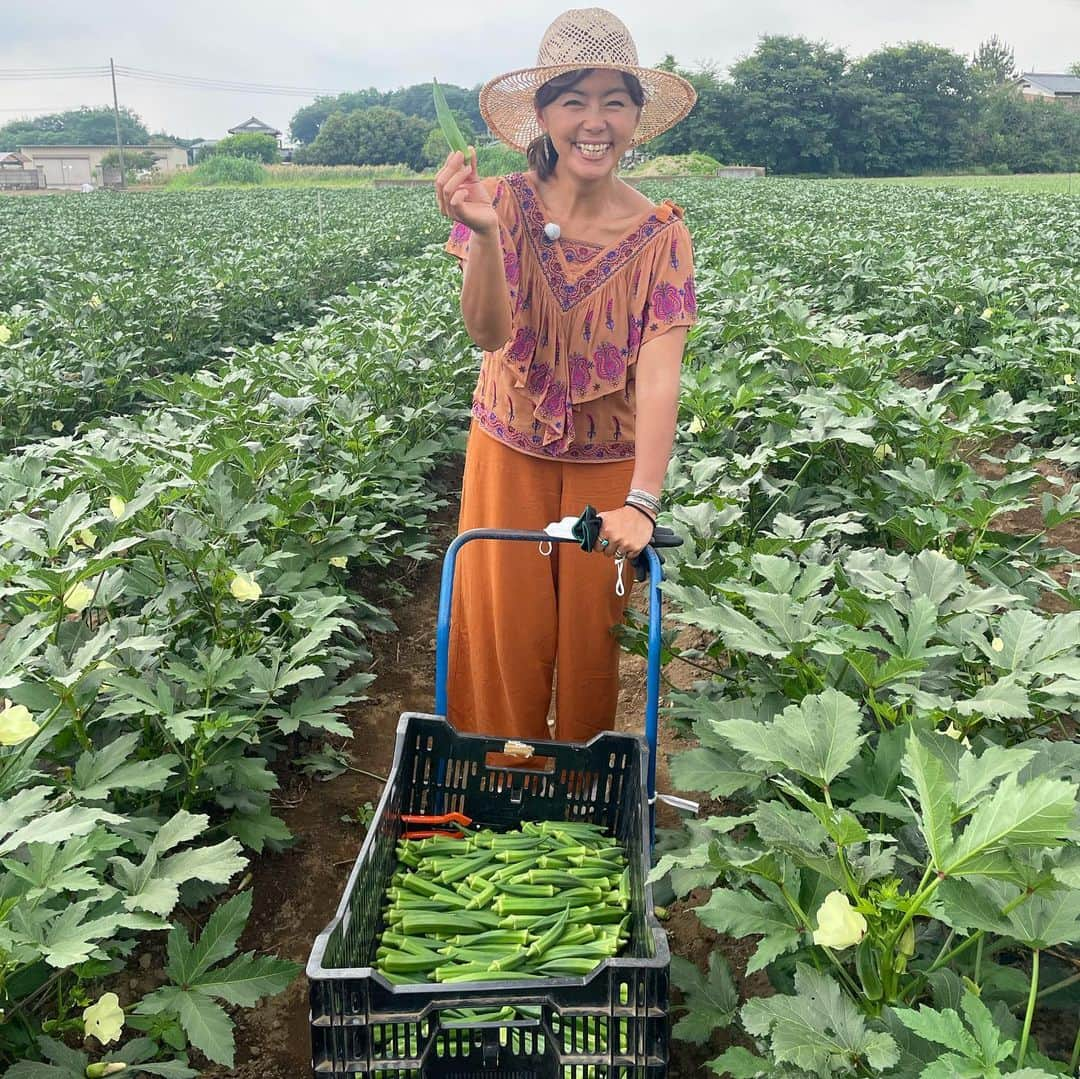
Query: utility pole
[{"x": 116, "y": 117}]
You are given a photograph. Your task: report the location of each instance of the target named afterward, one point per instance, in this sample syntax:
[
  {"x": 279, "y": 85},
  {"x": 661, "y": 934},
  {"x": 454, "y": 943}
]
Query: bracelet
[
  {"x": 643, "y": 498},
  {"x": 642, "y": 511}
]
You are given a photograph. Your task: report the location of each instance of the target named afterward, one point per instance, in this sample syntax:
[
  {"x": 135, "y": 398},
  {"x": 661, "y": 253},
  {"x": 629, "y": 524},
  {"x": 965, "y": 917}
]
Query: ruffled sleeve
[
  {"x": 509, "y": 233},
  {"x": 670, "y": 299}
]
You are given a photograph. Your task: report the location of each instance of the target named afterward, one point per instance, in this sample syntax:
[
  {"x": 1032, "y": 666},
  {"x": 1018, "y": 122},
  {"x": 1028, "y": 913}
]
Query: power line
[
  {"x": 87, "y": 73},
  {"x": 199, "y": 82}
]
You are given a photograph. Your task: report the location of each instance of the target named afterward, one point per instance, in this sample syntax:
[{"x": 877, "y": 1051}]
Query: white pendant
[{"x": 552, "y": 231}]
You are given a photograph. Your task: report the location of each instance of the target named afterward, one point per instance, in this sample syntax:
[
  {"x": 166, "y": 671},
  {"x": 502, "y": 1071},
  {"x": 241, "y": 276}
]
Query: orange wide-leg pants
[{"x": 516, "y": 611}]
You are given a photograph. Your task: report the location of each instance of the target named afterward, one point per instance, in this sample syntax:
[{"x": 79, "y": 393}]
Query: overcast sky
[{"x": 339, "y": 45}]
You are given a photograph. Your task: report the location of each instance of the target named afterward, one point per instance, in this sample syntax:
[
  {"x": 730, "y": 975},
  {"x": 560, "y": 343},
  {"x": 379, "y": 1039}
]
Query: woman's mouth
[{"x": 592, "y": 151}]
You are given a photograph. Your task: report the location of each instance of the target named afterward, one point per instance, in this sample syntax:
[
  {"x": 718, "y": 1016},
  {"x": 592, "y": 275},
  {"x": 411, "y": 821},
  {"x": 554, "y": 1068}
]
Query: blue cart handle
[{"x": 648, "y": 560}]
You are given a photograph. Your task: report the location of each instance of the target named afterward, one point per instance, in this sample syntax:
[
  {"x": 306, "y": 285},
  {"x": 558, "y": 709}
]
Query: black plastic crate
[{"x": 613, "y": 1024}]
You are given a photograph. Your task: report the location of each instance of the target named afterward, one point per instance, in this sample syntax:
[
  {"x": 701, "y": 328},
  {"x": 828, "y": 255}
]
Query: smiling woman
[
  {"x": 580, "y": 290},
  {"x": 601, "y": 108}
]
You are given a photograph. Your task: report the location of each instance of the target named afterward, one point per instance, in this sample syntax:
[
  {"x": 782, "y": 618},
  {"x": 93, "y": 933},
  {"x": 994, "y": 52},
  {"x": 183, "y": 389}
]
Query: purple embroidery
[
  {"x": 554, "y": 402},
  {"x": 523, "y": 345},
  {"x": 580, "y": 374},
  {"x": 618, "y": 428},
  {"x": 634, "y": 337},
  {"x": 609, "y": 363},
  {"x": 578, "y": 451},
  {"x": 592, "y": 427},
  {"x": 511, "y": 268},
  {"x": 690, "y": 296},
  {"x": 587, "y": 329},
  {"x": 538, "y": 379},
  {"x": 608, "y": 320},
  {"x": 569, "y": 293},
  {"x": 460, "y": 233},
  {"x": 674, "y": 248},
  {"x": 665, "y": 301}
]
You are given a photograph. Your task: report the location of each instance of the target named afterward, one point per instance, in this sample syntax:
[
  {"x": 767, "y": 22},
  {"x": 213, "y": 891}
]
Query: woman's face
[{"x": 592, "y": 124}]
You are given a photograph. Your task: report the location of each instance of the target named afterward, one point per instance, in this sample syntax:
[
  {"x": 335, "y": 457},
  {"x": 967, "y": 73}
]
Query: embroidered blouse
[{"x": 563, "y": 384}]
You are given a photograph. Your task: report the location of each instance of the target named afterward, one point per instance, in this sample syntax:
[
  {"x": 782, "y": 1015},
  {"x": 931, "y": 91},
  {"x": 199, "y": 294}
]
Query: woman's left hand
[{"x": 627, "y": 532}]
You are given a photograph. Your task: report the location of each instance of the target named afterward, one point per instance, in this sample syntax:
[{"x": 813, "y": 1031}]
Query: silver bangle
[{"x": 643, "y": 498}]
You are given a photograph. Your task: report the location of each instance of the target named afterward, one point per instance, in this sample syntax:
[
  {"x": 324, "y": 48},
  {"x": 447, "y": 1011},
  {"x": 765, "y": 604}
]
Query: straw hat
[{"x": 583, "y": 37}]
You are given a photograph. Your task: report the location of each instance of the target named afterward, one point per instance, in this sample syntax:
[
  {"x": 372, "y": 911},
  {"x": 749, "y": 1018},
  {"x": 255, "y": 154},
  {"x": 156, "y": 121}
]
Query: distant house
[
  {"x": 1038, "y": 86},
  {"x": 69, "y": 167},
  {"x": 18, "y": 171},
  {"x": 255, "y": 126}
]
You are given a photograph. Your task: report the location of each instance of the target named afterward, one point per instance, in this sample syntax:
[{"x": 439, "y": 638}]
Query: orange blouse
[{"x": 563, "y": 384}]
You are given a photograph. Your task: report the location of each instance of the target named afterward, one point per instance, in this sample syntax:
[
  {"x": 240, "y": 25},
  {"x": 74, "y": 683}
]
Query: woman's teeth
[{"x": 592, "y": 150}]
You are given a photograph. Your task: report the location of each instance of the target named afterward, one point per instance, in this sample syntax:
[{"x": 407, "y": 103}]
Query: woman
[{"x": 580, "y": 291}]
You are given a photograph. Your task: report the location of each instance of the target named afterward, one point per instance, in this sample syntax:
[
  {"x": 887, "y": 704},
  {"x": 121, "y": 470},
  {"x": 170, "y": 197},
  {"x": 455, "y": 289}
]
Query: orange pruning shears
[{"x": 431, "y": 818}]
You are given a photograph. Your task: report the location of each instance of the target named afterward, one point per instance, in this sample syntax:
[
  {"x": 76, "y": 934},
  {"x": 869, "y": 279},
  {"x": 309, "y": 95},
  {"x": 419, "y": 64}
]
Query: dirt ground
[{"x": 297, "y": 892}]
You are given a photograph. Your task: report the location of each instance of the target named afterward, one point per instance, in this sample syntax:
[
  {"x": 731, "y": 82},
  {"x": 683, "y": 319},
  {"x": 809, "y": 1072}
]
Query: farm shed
[
  {"x": 1044, "y": 87},
  {"x": 69, "y": 167},
  {"x": 17, "y": 172}
]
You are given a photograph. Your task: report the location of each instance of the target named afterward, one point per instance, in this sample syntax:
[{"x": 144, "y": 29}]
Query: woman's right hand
[{"x": 462, "y": 196}]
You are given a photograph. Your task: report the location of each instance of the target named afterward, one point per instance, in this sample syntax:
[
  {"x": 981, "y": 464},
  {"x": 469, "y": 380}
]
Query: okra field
[{"x": 231, "y": 422}]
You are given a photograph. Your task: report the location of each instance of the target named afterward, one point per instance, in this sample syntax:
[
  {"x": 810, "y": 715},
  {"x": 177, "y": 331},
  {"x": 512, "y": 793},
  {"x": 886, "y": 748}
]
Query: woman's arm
[
  {"x": 485, "y": 295},
  {"x": 657, "y": 407},
  {"x": 658, "y": 366}
]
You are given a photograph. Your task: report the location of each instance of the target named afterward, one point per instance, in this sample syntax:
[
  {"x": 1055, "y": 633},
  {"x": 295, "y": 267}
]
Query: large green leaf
[
  {"x": 247, "y": 979},
  {"x": 742, "y": 914},
  {"x": 933, "y": 790},
  {"x": 816, "y": 738},
  {"x": 710, "y": 1001},
  {"x": 1030, "y": 815},
  {"x": 819, "y": 1028}
]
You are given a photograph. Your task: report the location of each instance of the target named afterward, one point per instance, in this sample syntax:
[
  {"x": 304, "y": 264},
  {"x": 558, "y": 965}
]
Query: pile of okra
[{"x": 549, "y": 900}]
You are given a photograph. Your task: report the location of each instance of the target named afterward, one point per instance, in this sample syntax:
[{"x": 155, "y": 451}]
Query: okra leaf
[
  {"x": 818, "y": 1025},
  {"x": 740, "y": 1063},
  {"x": 1035, "y": 814},
  {"x": 206, "y": 1024},
  {"x": 707, "y": 770},
  {"x": 710, "y": 1001},
  {"x": 817, "y": 738},
  {"x": 216, "y": 942},
  {"x": 1003, "y": 699},
  {"x": 740, "y": 914},
  {"x": 247, "y": 979},
  {"x": 934, "y": 791}
]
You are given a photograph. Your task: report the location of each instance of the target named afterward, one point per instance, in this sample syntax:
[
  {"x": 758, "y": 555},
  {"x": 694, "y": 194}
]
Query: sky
[{"x": 337, "y": 45}]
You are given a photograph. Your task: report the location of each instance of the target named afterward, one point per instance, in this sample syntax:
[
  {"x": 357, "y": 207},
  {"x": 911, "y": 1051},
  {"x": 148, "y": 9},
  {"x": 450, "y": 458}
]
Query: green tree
[
  {"x": 1074, "y": 69},
  {"x": 85, "y": 126},
  {"x": 307, "y": 123},
  {"x": 134, "y": 160},
  {"x": 253, "y": 144},
  {"x": 995, "y": 60},
  {"x": 786, "y": 103},
  {"x": 436, "y": 147},
  {"x": 375, "y": 136},
  {"x": 936, "y": 89},
  {"x": 1025, "y": 136}
]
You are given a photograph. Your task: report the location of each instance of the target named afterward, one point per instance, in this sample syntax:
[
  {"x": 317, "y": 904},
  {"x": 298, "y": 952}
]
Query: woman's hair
[{"x": 541, "y": 154}]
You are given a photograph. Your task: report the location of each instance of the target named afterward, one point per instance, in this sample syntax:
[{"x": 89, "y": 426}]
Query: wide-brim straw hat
[{"x": 582, "y": 38}]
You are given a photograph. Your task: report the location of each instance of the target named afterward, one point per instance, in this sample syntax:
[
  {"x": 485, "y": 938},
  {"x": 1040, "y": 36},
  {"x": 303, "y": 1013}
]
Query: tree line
[{"x": 796, "y": 106}]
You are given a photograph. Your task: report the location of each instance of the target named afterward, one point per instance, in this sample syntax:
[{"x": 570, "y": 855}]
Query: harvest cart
[{"x": 610, "y": 1024}]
